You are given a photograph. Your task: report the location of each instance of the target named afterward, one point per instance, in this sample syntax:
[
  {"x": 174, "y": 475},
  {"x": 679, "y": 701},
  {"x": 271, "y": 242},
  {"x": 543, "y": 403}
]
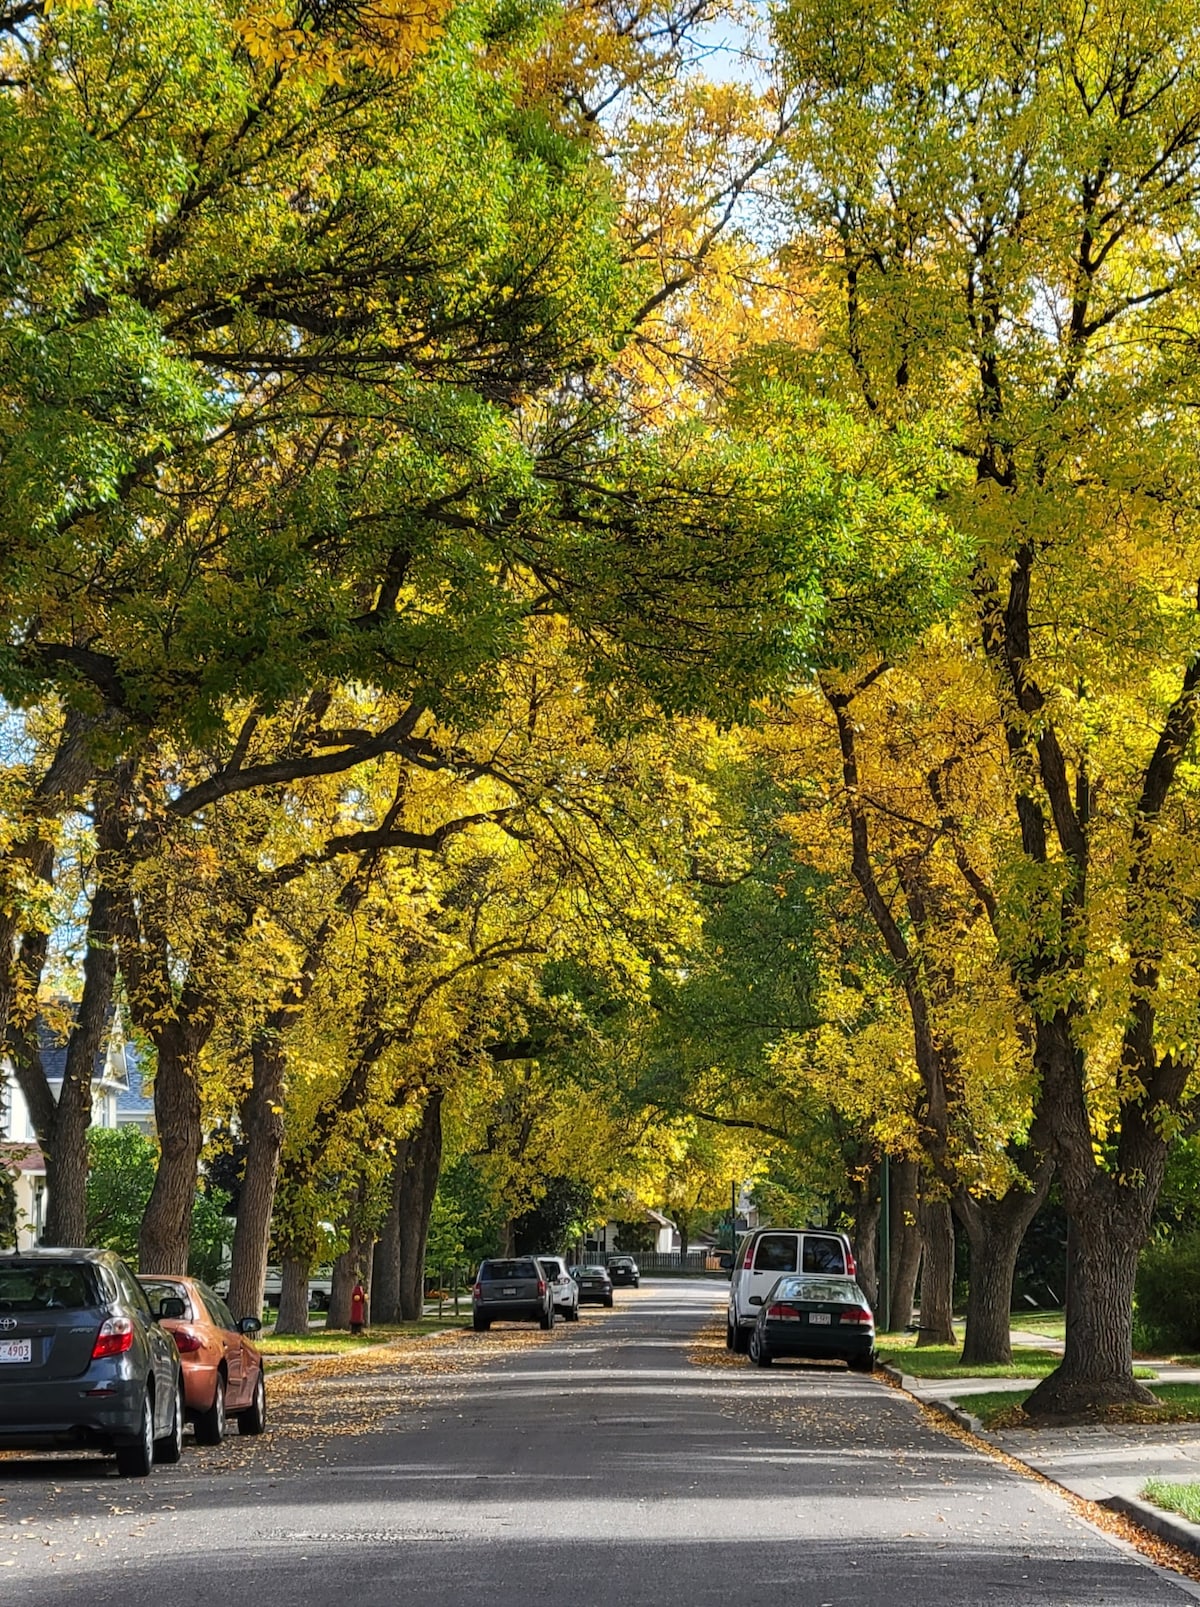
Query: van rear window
[
  {"x": 823, "y": 1255},
  {"x": 776, "y": 1252}
]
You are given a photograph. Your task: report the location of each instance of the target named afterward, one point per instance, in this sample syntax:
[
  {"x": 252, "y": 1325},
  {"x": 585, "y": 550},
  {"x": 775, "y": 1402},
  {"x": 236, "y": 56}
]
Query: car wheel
[
  {"x": 254, "y": 1419},
  {"x": 210, "y": 1425},
  {"x": 546, "y": 1320},
  {"x": 759, "y": 1354},
  {"x": 861, "y": 1364},
  {"x": 170, "y": 1448},
  {"x": 481, "y": 1324},
  {"x": 741, "y": 1340},
  {"x": 573, "y": 1314},
  {"x": 608, "y": 1300},
  {"x": 135, "y": 1461},
  {"x": 730, "y": 1335}
]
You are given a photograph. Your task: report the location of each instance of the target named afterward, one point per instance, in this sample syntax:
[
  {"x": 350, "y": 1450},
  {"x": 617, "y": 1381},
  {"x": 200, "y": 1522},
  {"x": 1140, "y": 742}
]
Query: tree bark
[
  {"x": 867, "y": 1207},
  {"x": 937, "y": 1274},
  {"x": 347, "y": 1269},
  {"x": 385, "y": 1280},
  {"x": 262, "y": 1125},
  {"x": 905, "y": 1243},
  {"x": 418, "y": 1185},
  {"x": 293, "y": 1296},
  {"x": 995, "y": 1229},
  {"x": 165, "y": 1235}
]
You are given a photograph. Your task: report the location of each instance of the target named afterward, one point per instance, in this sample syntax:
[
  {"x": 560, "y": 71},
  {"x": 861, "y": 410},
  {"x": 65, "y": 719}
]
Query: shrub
[{"x": 1168, "y": 1294}]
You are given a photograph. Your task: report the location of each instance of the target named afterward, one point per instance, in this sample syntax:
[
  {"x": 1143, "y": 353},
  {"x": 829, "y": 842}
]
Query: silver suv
[{"x": 564, "y": 1289}]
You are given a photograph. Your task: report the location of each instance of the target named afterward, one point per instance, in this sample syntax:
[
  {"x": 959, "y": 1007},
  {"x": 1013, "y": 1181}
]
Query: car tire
[
  {"x": 210, "y": 1425},
  {"x": 759, "y": 1354},
  {"x": 169, "y": 1449},
  {"x": 608, "y": 1300},
  {"x": 741, "y": 1340},
  {"x": 730, "y": 1335},
  {"x": 861, "y": 1364},
  {"x": 254, "y": 1419},
  {"x": 135, "y": 1461},
  {"x": 481, "y": 1324},
  {"x": 573, "y": 1314},
  {"x": 546, "y": 1320}
]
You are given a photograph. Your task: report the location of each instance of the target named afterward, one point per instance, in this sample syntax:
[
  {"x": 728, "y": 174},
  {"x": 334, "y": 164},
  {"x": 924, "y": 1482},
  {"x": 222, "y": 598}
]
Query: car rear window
[
  {"x": 552, "y": 1266},
  {"x": 42, "y": 1287},
  {"x": 160, "y": 1289},
  {"x": 494, "y": 1271},
  {"x": 840, "y": 1291},
  {"x": 776, "y": 1252},
  {"x": 822, "y": 1255},
  {"x": 593, "y": 1272}
]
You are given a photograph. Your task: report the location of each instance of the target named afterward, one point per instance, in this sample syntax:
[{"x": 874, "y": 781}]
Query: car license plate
[
  {"x": 16, "y": 1350},
  {"x": 508, "y": 1291},
  {"x": 819, "y": 1316}
]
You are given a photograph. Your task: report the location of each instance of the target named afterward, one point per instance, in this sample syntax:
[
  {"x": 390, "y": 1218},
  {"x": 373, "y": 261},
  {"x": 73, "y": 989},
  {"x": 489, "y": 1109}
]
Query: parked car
[
  {"x": 624, "y": 1269},
  {"x": 85, "y": 1362},
  {"x": 563, "y": 1288},
  {"x": 768, "y": 1254},
  {"x": 222, "y": 1368},
  {"x": 512, "y": 1291},
  {"x": 815, "y": 1317},
  {"x": 594, "y": 1285}
]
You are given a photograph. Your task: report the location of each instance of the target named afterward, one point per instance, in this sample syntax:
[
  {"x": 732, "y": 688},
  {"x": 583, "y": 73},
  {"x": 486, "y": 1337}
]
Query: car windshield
[
  {"x": 34, "y": 1287},
  {"x": 621, "y": 1261},
  {"x": 497, "y": 1271},
  {"x": 842, "y": 1291},
  {"x": 160, "y": 1289}
]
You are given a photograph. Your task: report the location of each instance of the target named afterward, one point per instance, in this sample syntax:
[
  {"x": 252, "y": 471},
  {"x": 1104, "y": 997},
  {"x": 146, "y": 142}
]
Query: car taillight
[
  {"x": 748, "y": 1262},
  {"x": 856, "y": 1314},
  {"x": 114, "y": 1338},
  {"x": 782, "y": 1312},
  {"x": 477, "y": 1292},
  {"x": 186, "y": 1340},
  {"x": 851, "y": 1265},
  {"x": 541, "y": 1286}
]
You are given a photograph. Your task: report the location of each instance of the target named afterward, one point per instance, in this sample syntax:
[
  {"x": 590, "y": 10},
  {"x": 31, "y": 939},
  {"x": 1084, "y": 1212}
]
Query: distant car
[
  {"x": 512, "y": 1291},
  {"x": 222, "y": 1368},
  {"x": 595, "y": 1286},
  {"x": 85, "y": 1363},
  {"x": 815, "y": 1317},
  {"x": 563, "y": 1288},
  {"x": 770, "y": 1253},
  {"x": 624, "y": 1269}
]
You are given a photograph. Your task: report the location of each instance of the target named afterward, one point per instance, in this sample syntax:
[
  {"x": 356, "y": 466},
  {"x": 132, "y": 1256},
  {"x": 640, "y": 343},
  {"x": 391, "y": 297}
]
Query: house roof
[
  {"x": 134, "y": 1104},
  {"x": 52, "y": 1045},
  {"x": 22, "y": 1158}
]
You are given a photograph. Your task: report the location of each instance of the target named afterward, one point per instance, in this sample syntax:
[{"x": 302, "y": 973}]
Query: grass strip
[
  {"x": 943, "y": 1361},
  {"x": 320, "y": 1343},
  {"x": 1181, "y": 1498},
  {"x": 1001, "y": 1408}
]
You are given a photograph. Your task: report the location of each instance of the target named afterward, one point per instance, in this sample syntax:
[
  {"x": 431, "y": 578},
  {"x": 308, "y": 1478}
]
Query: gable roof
[{"x": 52, "y": 1046}]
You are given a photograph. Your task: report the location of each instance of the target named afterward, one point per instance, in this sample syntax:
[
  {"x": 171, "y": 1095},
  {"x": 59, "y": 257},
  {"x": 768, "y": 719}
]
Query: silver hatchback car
[{"x": 84, "y": 1362}]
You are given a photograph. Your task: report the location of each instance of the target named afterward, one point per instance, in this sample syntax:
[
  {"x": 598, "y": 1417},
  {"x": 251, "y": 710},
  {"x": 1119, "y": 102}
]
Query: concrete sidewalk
[{"x": 1108, "y": 1463}]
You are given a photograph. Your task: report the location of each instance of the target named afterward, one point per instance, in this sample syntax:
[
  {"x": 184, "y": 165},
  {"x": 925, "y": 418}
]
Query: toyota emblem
[{"x": 6, "y": 1323}]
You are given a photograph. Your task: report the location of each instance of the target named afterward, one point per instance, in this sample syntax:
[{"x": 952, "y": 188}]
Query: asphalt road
[{"x": 625, "y": 1461}]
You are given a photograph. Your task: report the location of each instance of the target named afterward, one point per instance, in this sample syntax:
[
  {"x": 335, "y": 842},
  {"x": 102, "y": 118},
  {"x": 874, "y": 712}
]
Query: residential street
[{"x": 620, "y": 1462}]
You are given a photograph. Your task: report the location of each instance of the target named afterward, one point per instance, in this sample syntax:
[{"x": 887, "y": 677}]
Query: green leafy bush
[{"x": 1168, "y": 1295}]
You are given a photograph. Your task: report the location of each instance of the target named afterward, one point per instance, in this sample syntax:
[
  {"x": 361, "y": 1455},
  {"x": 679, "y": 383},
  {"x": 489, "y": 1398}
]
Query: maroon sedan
[{"x": 222, "y": 1369}]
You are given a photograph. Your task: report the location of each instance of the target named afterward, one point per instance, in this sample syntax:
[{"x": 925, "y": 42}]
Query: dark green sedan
[{"x": 823, "y": 1318}]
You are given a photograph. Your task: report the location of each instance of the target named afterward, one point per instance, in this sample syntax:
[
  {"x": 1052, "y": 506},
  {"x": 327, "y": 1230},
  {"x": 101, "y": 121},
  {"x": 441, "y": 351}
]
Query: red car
[{"x": 222, "y": 1369}]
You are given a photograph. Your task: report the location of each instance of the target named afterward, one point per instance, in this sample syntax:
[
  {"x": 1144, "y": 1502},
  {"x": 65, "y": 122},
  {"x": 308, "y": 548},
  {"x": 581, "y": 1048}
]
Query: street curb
[
  {"x": 947, "y": 1408},
  {"x": 1166, "y": 1525}
]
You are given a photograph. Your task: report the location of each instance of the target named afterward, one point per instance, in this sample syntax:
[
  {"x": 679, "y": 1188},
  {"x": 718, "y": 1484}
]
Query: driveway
[{"x": 624, "y": 1461}]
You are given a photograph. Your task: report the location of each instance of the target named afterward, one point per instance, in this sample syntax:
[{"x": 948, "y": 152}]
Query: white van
[{"x": 768, "y": 1254}]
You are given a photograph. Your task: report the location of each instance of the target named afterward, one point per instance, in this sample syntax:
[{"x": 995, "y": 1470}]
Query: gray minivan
[
  {"x": 768, "y": 1254},
  {"x": 84, "y": 1363}
]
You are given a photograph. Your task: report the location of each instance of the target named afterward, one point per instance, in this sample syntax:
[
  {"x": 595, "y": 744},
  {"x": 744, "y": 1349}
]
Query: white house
[{"x": 117, "y": 1101}]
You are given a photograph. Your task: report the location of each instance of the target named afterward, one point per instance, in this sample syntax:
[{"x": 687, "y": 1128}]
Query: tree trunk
[
  {"x": 905, "y": 1243},
  {"x": 347, "y": 1269},
  {"x": 418, "y": 1185},
  {"x": 867, "y": 1207},
  {"x": 166, "y": 1226},
  {"x": 385, "y": 1277},
  {"x": 995, "y": 1229},
  {"x": 262, "y": 1125},
  {"x": 937, "y": 1274},
  {"x": 293, "y": 1296},
  {"x": 1097, "y": 1366}
]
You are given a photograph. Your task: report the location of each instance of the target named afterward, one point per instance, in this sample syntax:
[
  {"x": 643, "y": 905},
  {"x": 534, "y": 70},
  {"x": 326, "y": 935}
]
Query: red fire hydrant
[{"x": 358, "y": 1308}]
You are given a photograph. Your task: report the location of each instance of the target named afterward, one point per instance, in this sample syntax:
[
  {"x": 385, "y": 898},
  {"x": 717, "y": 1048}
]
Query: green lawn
[
  {"x": 1049, "y": 1324},
  {"x": 941, "y": 1361},
  {"x": 1181, "y": 1498},
  {"x": 319, "y": 1343},
  {"x": 1180, "y": 1404}
]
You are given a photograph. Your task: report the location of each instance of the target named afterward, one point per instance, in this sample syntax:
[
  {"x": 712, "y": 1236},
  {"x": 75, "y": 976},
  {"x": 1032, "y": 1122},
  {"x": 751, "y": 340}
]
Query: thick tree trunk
[
  {"x": 1097, "y": 1366},
  {"x": 937, "y": 1274},
  {"x": 166, "y": 1226},
  {"x": 347, "y": 1270},
  {"x": 385, "y": 1276},
  {"x": 293, "y": 1296},
  {"x": 995, "y": 1229},
  {"x": 867, "y": 1208},
  {"x": 262, "y": 1125},
  {"x": 418, "y": 1185},
  {"x": 905, "y": 1243}
]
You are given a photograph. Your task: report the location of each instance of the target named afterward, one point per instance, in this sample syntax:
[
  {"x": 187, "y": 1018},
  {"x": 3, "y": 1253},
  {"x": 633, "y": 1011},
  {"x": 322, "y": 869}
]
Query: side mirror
[
  {"x": 756, "y": 1300},
  {"x": 249, "y": 1325},
  {"x": 171, "y": 1307}
]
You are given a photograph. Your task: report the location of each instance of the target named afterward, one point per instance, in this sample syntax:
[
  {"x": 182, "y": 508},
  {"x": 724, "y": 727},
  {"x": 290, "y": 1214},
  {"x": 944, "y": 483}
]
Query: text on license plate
[
  {"x": 16, "y": 1350},
  {"x": 508, "y": 1291},
  {"x": 819, "y": 1316}
]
